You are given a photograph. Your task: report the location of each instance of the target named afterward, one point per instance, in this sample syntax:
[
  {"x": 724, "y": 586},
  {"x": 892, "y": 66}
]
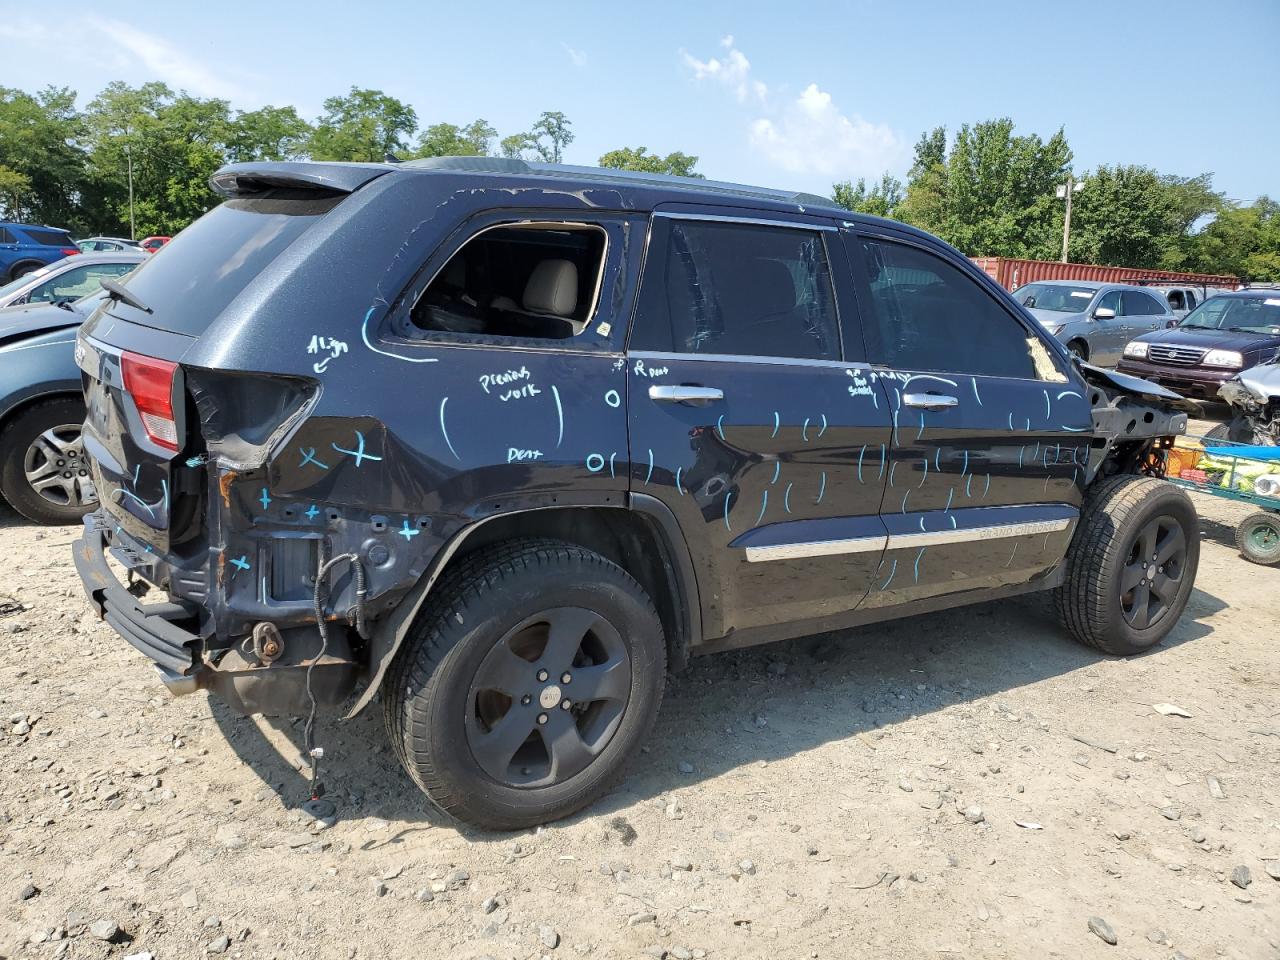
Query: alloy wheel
[
  {"x": 56, "y": 468},
  {"x": 1153, "y": 572},
  {"x": 548, "y": 697}
]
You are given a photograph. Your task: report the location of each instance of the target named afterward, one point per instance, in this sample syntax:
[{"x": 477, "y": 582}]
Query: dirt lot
[{"x": 968, "y": 784}]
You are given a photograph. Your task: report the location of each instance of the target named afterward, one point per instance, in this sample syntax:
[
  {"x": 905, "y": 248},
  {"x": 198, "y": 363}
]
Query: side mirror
[{"x": 1104, "y": 313}]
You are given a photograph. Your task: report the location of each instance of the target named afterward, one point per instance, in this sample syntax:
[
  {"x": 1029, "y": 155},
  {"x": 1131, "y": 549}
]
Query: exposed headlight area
[
  {"x": 1136, "y": 349},
  {"x": 1232, "y": 359}
]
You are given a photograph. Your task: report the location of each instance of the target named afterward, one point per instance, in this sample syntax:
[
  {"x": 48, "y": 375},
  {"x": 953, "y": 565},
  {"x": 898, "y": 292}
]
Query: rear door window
[
  {"x": 927, "y": 315},
  {"x": 1138, "y": 304},
  {"x": 206, "y": 266},
  {"x": 6, "y": 235},
  {"x": 738, "y": 289}
]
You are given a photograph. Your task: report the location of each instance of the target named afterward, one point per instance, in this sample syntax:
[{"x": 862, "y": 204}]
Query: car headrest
[{"x": 552, "y": 288}]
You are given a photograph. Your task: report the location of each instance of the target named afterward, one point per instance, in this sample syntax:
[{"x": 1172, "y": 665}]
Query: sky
[{"x": 795, "y": 95}]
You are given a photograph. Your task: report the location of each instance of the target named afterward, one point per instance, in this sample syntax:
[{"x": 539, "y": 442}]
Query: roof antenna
[{"x": 391, "y": 158}]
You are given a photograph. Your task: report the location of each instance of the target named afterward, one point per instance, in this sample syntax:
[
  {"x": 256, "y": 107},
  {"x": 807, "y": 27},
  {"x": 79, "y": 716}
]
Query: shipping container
[{"x": 1012, "y": 273}]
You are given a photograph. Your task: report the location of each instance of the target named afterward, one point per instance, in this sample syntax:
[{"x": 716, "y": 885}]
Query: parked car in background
[
  {"x": 24, "y": 248},
  {"x": 43, "y": 473},
  {"x": 105, "y": 244},
  {"x": 152, "y": 244},
  {"x": 69, "y": 278},
  {"x": 1094, "y": 320},
  {"x": 1227, "y": 333},
  {"x": 540, "y": 432}
]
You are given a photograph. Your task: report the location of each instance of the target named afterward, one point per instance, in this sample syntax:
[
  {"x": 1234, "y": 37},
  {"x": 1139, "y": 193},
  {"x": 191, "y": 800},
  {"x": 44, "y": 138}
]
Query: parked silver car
[
  {"x": 70, "y": 278},
  {"x": 1094, "y": 320}
]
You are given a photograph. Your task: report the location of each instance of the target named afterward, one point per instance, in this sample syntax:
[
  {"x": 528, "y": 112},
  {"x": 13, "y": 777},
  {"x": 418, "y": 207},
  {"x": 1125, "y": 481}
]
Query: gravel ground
[{"x": 967, "y": 784}]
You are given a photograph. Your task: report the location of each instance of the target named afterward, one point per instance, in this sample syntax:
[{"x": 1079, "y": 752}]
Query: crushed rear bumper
[{"x": 161, "y": 631}]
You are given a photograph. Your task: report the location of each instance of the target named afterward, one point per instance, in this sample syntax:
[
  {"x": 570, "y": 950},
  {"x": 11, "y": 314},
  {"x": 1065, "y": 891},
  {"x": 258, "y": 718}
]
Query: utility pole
[
  {"x": 1066, "y": 190},
  {"x": 128, "y": 153}
]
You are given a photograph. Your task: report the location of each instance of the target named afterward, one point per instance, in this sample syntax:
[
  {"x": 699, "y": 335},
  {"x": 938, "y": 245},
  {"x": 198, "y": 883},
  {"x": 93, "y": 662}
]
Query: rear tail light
[
  {"x": 69, "y": 251},
  {"x": 150, "y": 383}
]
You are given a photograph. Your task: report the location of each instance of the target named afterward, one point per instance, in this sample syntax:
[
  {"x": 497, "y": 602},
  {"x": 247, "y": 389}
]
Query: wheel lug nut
[
  {"x": 565, "y": 677},
  {"x": 526, "y": 700},
  {"x": 542, "y": 676},
  {"x": 542, "y": 718},
  {"x": 565, "y": 704}
]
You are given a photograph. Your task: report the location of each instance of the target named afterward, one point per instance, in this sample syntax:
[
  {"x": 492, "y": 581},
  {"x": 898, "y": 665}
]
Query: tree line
[
  {"x": 72, "y": 168},
  {"x": 990, "y": 192}
]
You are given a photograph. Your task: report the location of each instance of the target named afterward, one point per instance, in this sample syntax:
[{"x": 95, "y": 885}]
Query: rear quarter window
[
  {"x": 48, "y": 238},
  {"x": 206, "y": 266}
]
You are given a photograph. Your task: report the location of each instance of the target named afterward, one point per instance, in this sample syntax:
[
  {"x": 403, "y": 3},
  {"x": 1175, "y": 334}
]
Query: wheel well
[
  {"x": 1082, "y": 344},
  {"x": 8, "y": 416},
  {"x": 628, "y": 538},
  {"x": 14, "y": 267}
]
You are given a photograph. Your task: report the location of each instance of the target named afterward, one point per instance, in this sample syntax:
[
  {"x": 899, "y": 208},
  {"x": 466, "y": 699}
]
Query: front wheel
[
  {"x": 1258, "y": 537},
  {"x": 1131, "y": 565},
  {"x": 527, "y": 683}
]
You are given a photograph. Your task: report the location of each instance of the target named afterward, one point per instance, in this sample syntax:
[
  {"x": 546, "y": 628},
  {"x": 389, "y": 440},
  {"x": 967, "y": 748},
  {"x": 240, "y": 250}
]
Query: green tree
[
  {"x": 640, "y": 159},
  {"x": 552, "y": 134},
  {"x": 15, "y": 194},
  {"x": 170, "y": 143},
  {"x": 520, "y": 146},
  {"x": 880, "y": 199},
  {"x": 1132, "y": 216},
  {"x": 365, "y": 125},
  {"x": 449, "y": 140},
  {"x": 1243, "y": 241},
  {"x": 1000, "y": 191},
  {"x": 926, "y": 194},
  {"x": 40, "y": 138},
  {"x": 271, "y": 133}
]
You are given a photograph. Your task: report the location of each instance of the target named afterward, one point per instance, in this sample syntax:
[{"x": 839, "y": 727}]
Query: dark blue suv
[
  {"x": 24, "y": 248},
  {"x": 502, "y": 442}
]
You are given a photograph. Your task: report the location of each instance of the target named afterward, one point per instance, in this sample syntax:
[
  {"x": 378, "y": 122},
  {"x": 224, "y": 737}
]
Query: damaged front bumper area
[{"x": 267, "y": 673}]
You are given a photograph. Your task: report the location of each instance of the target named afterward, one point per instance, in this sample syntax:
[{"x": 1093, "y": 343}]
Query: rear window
[
  {"x": 206, "y": 266},
  {"x": 49, "y": 238}
]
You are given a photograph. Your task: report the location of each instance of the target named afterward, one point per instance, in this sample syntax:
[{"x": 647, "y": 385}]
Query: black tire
[
  {"x": 22, "y": 269},
  {"x": 1258, "y": 537},
  {"x": 442, "y": 718},
  {"x": 1221, "y": 431},
  {"x": 1101, "y": 600},
  {"x": 23, "y": 449},
  {"x": 1080, "y": 349}
]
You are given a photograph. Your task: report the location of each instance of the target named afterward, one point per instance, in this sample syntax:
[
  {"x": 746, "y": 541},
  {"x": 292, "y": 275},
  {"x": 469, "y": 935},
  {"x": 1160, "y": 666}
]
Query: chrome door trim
[
  {"x": 826, "y": 548},
  {"x": 734, "y": 358},
  {"x": 758, "y": 221},
  {"x": 676, "y": 393},
  {"x": 815, "y": 548}
]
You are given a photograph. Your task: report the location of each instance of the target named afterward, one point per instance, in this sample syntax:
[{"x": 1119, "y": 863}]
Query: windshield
[
  {"x": 13, "y": 286},
  {"x": 1051, "y": 296},
  {"x": 1243, "y": 314}
]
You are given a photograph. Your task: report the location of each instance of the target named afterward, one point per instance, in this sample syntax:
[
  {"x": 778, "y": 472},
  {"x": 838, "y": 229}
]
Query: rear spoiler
[{"x": 252, "y": 179}]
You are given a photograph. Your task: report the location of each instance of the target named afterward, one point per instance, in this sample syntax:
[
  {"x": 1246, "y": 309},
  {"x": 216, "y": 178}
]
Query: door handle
[
  {"x": 929, "y": 401},
  {"x": 672, "y": 393}
]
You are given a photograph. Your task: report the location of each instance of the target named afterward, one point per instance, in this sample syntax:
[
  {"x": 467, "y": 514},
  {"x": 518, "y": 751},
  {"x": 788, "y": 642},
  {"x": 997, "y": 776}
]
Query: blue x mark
[
  {"x": 309, "y": 456},
  {"x": 407, "y": 532},
  {"x": 265, "y": 499},
  {"x": 312, "y": 512},
  {"x": 358, "y": 453},
  {"x": 242, "y": 563}
]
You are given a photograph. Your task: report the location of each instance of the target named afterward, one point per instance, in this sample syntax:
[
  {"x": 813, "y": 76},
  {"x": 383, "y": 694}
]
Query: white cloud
[
  {"x": 115, "y": 45},
  {"x": 168, "y": 62},
  {"x": 808, "y": 134},
  {"x": 577, "y": 57}
]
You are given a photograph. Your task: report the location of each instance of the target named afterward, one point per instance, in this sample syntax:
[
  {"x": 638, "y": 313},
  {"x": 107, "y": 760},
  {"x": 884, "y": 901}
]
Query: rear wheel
[
  {"x": 1131, "y": 565},
  {"x": 22, "y": 269},
  {"x": 43, "y": 471},
  {"x": 527, "y": 683},
  {"x": 1258, "y": 537}
]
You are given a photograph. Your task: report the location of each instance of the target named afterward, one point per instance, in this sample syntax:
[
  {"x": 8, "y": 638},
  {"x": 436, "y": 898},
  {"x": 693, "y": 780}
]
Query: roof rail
[{"x": 611, "y": 175}]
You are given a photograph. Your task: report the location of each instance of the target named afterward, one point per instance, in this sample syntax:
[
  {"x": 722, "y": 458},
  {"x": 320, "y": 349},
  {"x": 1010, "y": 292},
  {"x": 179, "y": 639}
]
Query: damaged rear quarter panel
[{"x": 387, "y": 447}]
